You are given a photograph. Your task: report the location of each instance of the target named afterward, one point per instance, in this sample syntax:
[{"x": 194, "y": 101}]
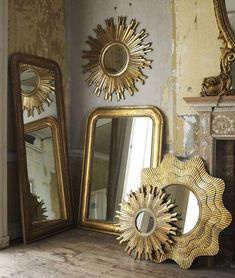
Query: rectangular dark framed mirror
[
  {"x": 43, "y": 169},
  {"x": 119, "y": 143}
]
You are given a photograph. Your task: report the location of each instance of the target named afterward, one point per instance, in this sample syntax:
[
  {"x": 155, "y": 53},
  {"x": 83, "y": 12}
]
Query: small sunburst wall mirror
[
  {"x": 46, "y": 205},
  {"x": 199, "y": 206},
  {"x": 116, "y": 57},
  {"x": 146, "y": 222},
  {"x": 224, "y": 83}
]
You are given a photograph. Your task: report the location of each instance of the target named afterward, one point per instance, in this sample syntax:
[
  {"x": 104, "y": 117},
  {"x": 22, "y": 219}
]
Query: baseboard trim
[{"x": 4, "y": 242}]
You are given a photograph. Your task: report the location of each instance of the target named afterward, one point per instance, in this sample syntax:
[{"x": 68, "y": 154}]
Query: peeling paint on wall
[
  {"x": 38, "y": 27},
  {"x": 197, "y": 48},
  {"x": 186, "y": 142}
]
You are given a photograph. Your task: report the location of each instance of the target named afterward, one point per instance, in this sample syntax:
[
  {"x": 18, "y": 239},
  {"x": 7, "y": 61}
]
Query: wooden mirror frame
[
  {"x": 111, "y": 112},
  {"x": 31, "y": 231},
  {"x": 222, "y": 84}
]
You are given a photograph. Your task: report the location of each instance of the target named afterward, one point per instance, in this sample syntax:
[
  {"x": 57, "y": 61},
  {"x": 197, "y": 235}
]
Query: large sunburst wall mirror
[
  {"x": 116, "y": 57},
  {"x": 224, "y": 83},
  {"x": 192, "y": 229}
]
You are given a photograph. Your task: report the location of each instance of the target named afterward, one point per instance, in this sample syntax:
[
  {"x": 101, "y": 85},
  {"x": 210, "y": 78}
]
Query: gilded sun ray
[
  {"x": 146, "y": 223},
  {"x": 116, "y": 58},
  {"x": 36, "y": 86},
  {"x": 203, "y": 239}
]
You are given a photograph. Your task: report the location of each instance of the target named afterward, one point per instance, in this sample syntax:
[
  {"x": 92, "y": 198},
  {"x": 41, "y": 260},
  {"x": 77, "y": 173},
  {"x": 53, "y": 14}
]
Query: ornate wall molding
[{"x": 223, "y": 124}]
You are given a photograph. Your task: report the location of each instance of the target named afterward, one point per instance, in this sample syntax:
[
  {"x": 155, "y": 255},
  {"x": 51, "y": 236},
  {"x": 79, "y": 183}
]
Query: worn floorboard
[{"x": 81, "y": 253}]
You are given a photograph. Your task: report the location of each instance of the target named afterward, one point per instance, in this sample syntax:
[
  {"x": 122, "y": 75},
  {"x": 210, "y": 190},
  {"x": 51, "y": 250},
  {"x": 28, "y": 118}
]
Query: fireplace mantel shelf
[{"x": 209, "y": 103}]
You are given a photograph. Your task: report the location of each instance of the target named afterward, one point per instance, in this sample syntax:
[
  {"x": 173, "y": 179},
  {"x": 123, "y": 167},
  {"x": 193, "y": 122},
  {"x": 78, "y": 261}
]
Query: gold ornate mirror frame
[
  {"x": 221, "y": 84},
  {"x": 203, "y": 239},
  {"x": 40, "y": 229},
  {"x": 125, "y": 38},
  {"x": 154, "y": 243},
  {"x": 114, "y": 112}
]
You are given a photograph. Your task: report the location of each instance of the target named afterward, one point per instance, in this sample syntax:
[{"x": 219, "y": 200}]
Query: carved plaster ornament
[
  {"x": 221, "y": 84},
  {"x": 116, "y": 58},
  {"x": 213, "y": 217},
  {"x": 146, "y": 223}
]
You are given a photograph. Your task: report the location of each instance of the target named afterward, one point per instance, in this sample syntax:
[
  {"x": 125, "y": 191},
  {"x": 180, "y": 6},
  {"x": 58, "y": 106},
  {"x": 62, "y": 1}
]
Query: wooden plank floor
[{"x": 81, "y": 253}]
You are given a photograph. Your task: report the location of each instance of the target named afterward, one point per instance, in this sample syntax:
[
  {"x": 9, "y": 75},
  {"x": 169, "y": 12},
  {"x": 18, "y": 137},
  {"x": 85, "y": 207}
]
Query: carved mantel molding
[{"x": 216, "y": 122}]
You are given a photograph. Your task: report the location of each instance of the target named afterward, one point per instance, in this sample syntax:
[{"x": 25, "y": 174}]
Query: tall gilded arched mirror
[
  {"x": 120, "y": 141},
  {"x": 41, "y": 147}
]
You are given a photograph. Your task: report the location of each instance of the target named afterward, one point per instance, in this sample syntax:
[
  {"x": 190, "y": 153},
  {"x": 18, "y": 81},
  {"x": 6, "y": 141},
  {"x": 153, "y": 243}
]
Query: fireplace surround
[{"x": 217, "y": 148}]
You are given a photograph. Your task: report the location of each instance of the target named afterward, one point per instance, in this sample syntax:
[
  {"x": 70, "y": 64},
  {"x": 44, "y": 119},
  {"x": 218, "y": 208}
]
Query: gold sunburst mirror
[
  {"x": 146, "y": 222},
  {"x": 36, "y": 86},
  {"x": 116, "y": 58}
]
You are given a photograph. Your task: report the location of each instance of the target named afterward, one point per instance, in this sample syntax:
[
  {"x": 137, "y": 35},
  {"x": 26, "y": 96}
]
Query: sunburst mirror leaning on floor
[
  {"x": 146, "y": 222},
  {"x": 201, "y": 214},
  {"x": 116, "y": 58},
  {"x": 37, "y": 84}
]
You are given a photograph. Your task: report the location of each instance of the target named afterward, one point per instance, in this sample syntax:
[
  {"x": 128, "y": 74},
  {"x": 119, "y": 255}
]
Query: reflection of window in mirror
[
  {"x": 122, "y": 148},
  {"x": 42, "y": 171},
  {"x": 186, "y": 205}
]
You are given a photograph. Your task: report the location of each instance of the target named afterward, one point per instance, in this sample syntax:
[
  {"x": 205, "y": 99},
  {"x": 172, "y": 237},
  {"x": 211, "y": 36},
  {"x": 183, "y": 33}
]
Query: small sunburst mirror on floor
[
  {"x": 36, "y": 85},
  {"x": 146, "y": 223},
  {"x": 198, "y": 199},
  {"x": 116, "y": 58}
]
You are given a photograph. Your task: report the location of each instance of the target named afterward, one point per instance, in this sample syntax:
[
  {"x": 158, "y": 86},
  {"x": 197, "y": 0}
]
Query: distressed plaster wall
[
  {"x": 186, "y": 50},
  {"x": 35, "y": 27},
  {"x": 155, "y": 17},
  {"x": 196, "y": 56}
]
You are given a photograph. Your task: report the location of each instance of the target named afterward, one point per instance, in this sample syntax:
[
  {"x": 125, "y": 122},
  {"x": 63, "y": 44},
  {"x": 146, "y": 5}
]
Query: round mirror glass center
[
  {"x": 28, "y": 81},
  {"x": 115, "y": 58},
  {"x": 144, "y": 222},
  {"x": 186, "y": 205}
]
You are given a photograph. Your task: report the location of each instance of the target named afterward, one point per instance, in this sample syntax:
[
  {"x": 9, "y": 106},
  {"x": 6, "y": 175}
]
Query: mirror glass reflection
[
  {"x": 28, "y": 81},
  {"x": 187, "y": 207},
  {"x": 121, "y": 149},
  {"x": 144, "y": 222},
  {"x": 42, "y": 175},
  {"x": 230, "y": 7},
  {"x": 115, "y": 58}
]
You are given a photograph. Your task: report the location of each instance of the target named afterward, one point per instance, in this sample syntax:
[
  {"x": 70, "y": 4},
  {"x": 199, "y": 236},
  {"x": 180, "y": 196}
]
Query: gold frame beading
[
  {"x": 132, "y": 41},
  {"x": 203, "y": 240},
  {"x": 221, "y": 84},
  {"x": 114, "y": 112}
]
